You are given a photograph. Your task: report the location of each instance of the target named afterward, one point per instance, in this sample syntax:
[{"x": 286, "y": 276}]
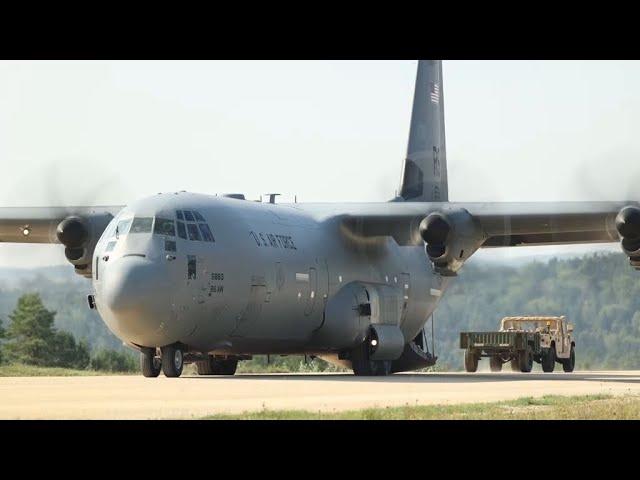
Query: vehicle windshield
[{"x": 529, "y": 325}]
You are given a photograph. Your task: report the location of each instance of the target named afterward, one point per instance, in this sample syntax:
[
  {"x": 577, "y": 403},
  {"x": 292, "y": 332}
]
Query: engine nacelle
[
  {"x": 450, "y": 239},
  {"x": 628, "y": 226},
  {"x": 80, "y": 235}
]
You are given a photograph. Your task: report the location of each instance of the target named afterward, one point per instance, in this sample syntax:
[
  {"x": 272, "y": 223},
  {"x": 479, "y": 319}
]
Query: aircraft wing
[
  {"x": 39, "y": 224},
  {"x": 497, "y": 224}
]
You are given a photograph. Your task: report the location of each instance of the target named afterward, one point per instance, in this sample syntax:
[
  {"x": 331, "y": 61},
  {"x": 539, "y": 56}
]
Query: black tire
[
  {"x": 203, "y": 367},
  {"x": 363, "y": 366},
  {"x": 172, "y": 361},
  {"x": 213, "y": 366},
  {"x": 471, "y": 359},
  {"x": 525, "y": 359},
  {"x": 495, "y": 364},
  {"x": 549, "y": 360},
  {"x": 150, "y": 364},
  {"x": 569, "y": 364},
  {"x": 515, "y": 364}
]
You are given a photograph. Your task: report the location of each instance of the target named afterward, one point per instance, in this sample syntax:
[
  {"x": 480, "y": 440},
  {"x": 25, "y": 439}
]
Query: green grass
[
  {"x": 588, "y": 407},
  {"x": 20, "y": 370}
]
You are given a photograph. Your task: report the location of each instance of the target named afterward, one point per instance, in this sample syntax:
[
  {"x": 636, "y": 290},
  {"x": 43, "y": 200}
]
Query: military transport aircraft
[{"x": 185, "y": 277}]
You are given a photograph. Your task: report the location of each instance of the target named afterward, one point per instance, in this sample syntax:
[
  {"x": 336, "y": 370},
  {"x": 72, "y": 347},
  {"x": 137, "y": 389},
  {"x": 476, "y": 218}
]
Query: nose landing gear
[
  {"x": 150, "y": 364},
  {"x": 171, "y": 361}
]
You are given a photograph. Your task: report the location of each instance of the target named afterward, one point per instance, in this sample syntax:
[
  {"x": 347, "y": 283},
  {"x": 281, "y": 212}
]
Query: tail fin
[{"x": 425, "y": 169}]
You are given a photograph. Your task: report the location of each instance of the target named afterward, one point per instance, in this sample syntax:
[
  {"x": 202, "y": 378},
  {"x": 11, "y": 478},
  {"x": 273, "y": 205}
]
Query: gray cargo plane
[{"x": 185, "y": 277}]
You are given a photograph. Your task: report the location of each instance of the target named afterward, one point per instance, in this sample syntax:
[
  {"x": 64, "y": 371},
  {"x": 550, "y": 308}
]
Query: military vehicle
[
  {"x": 185, "y": 277},
  {"x": 521, "y": 341}
]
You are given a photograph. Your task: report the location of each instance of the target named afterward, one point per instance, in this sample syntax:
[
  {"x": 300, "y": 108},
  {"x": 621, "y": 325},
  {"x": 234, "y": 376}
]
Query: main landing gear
[{"x": 171, "y": 361}]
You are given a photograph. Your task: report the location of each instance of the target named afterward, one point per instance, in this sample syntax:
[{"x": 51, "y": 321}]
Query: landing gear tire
[
  {"x": 213, "y": 366},
  {"x": 569, "y": 364},
  {"x": 149, "y": 363},
  {"x": 172, "y": 361},
  {"x": 363, "y": 366},
  {"x": 525, "y": 359},
  {"x": 549, "y": 360},
  {"x": 495, "y": 364},
  {"x": 471, "y": 361}
]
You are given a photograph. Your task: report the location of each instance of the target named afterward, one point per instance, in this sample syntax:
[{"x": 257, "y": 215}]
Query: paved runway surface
[{"x": 135, "y": 397}]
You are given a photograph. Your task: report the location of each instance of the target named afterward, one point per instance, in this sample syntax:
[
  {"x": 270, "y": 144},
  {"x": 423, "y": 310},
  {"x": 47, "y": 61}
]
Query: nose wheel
[
  {"x": 150, "y": 364},
  {"x": 172, "y": 361}
]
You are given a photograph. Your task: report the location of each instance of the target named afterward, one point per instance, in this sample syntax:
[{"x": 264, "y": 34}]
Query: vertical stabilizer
[{"x": 425, "y": 170}]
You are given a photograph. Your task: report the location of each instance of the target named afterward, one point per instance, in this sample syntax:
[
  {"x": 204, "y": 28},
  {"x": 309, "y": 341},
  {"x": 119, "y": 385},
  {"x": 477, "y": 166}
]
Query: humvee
[{"x": 521, "y": 341}]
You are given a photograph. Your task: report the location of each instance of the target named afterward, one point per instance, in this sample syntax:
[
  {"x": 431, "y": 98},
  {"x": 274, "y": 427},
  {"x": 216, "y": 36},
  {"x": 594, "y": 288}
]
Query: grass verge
[
  {"x": 19, "y": 370},
  {"x": 588, "y": 407}
]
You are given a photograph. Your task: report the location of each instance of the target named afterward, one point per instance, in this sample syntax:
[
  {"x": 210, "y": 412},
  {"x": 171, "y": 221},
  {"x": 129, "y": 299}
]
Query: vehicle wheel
[
  {"x": 569, "y": 364},
  {"x": 172, "y": 361},
  {"x": 225, "y": 367},
  {"x": 204, "y": 367},
  {"x": 149, "y": 363},
  {"x": 525, "y": 360},
  {"x": 212, "y": 366},
  {"x": 471, "y": 359},
  {"x": 495, "y": 363},
  {"x": 515, "y": 364},
  {"x": 363, "y": 366},
  {"x": 549, "y": 360}
]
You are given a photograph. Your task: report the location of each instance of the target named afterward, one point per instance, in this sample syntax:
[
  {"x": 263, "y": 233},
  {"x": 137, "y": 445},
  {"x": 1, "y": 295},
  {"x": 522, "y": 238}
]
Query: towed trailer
[{"x": 521, "y": 341}]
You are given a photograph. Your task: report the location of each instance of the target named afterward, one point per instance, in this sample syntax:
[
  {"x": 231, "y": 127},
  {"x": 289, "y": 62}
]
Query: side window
[
  {"x": 123, "y": 227},
  {"x": 194, "y": 233},
  {"x": 206, "y": 233},
  {"x": 191, "y": 267},
  {"x": 182, "y": 231},
  {"x": 188, "y": 216},
  {"x": 179, "y": 215},
  {"x": 198, "y": 216},
  {"x": 110, "y": 247}
]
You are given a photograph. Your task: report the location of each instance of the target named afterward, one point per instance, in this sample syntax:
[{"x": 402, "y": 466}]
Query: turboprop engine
[
  {"x": 628, "y": 226},
  {"x": 76, "y": 233},
  {"x": 450, "y": 239}
]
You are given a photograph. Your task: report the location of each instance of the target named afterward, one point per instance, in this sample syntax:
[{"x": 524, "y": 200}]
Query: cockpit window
[
  {"x": 182, "y": 231},
  {"x": 188, "y": 216},
  {"x": 164, "y": 227},
  {"x": 206, "y": 233},
  {"x": 194, "y": 234},
  {"x": 141, "y": 225},
  {"x": 123, "y": 227},
  {"x": 198, "y": 216},
  {"x": 179, "y": 215}
]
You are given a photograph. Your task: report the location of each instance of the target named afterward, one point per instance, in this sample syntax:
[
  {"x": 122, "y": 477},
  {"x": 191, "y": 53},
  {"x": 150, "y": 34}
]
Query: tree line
[{"x": 32, "y": 339}]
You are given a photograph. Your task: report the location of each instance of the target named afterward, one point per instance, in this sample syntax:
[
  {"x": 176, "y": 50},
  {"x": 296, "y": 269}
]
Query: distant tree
[
  {"x": 113, "y": 361},
  {"x": 30, "y": 332},
  {"x": 1, "y": 337},
  {"x": 33, "y": 339},
  {"x": 67, "y": 353}
]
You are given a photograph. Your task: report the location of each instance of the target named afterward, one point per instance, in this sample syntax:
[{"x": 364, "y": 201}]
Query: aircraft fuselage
[{"x": 262, "y": 285}]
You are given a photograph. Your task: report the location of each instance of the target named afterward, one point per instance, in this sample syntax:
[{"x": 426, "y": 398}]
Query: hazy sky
[{"x": 111, "y": 132}]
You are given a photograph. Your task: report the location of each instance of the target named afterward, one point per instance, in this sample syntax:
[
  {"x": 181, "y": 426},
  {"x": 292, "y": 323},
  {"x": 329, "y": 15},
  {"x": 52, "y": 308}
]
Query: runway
[{"x": 135, "y": 397}]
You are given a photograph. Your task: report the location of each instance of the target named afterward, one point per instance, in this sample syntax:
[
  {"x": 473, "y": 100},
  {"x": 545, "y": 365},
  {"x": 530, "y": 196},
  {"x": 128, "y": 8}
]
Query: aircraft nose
[{"x": 135, "y": 299}]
